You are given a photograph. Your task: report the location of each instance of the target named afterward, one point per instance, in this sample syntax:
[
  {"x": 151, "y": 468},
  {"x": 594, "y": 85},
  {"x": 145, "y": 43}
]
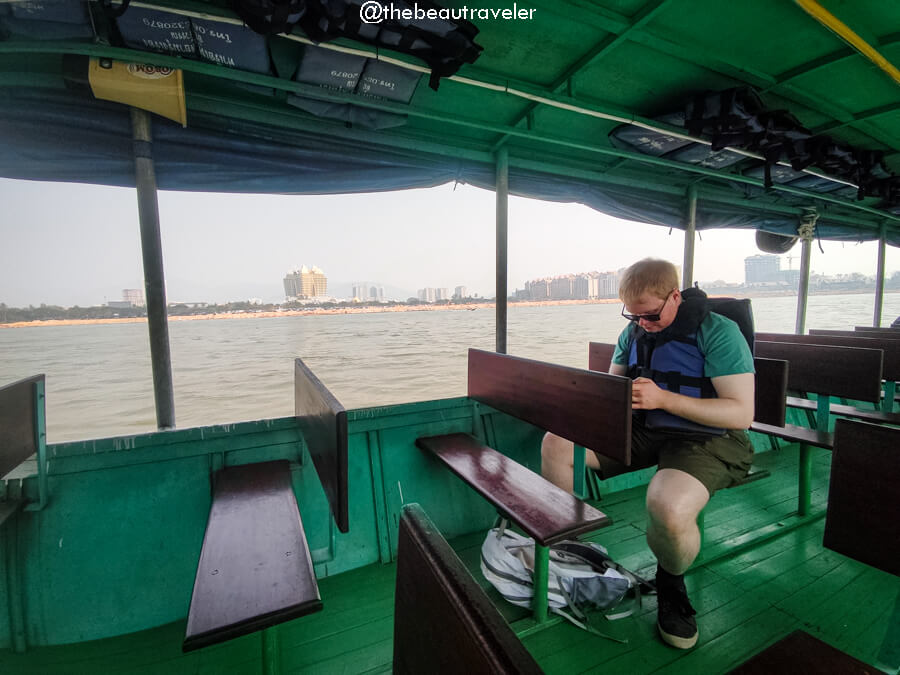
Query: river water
[{"x": 230, "y": 370}]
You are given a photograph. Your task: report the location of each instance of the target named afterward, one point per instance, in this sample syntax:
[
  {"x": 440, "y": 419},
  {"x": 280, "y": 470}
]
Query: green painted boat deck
[{"x": 745, "y": 602}]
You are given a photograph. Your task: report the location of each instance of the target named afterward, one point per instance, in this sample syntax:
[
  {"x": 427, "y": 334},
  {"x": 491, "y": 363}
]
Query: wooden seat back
[
  {"x": 863, "y": 496},
  {"x": 770, "y": 391},
  {"x": 590, "y": 408},
  {"x": 890, "y": 345},
  {"x": 443, "y": 621},
  {"x": 877, "y": 329},
  {"x": 770, "y": 382},
  {"x": 846, "y": 372},
  {"x": 323, "y": 423},
  {"x": 19, "y": 422},
  {"x": 600, "y": 356}
]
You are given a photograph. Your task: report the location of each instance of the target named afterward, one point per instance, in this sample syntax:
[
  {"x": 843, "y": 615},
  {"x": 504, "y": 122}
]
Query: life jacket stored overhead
[
  {"x": 673, "y": 360},
  {"x": 445, "y": 43}
]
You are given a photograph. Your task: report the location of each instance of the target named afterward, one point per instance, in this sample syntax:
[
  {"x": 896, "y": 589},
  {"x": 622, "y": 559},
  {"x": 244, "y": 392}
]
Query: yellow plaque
[{"x": 155, "y": 88}]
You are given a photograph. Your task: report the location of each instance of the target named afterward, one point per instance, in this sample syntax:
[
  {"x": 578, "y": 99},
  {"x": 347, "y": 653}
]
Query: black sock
[{"x": 667, "y": 579}]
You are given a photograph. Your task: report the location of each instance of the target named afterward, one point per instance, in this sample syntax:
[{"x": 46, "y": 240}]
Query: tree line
[{"x": 45, "y": 312}]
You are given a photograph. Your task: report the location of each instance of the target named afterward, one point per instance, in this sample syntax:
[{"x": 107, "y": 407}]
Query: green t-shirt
[{"x": 719, "y": 340}]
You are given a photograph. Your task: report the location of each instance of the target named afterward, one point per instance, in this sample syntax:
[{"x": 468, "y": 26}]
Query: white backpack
[{"x": 581, "y": 576}]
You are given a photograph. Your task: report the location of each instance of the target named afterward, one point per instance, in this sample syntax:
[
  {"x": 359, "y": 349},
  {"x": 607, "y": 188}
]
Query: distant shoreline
[
  {"x": 318, "y": 311},
  {"x": 307, "y": 312}
]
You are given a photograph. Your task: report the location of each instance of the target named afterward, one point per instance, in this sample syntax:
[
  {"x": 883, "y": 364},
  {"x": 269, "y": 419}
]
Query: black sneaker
[{"x": 675, "y": 617}]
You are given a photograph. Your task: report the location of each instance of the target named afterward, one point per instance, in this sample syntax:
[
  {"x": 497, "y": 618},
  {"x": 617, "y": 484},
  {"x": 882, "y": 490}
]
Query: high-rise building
[
  {"x": 376, "y": 293},
  {"x": 607, "y": 285},
  {"x": 762, "y": 269},
  {"x": 133, "y": 295},
  {"x": 305, "y": 283},
  {"x": 460, "y": 292},
  {"x": 561, "y": 287},
  {"x": 539, "y": 289},
  {"x": 426, "y": 294},
  {"x": 360, "y": 291}
]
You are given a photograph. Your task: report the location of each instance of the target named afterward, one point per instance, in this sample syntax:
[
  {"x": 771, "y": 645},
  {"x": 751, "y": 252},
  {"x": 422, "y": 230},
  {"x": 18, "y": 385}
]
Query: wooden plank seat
[
  {"x": 255, "y": 569},
  {"x": 800, "y": 652},
  {"x": 890, "y": 370},
  {"x": 591, "y": 409},
  {"x": 543, "y": 511},
  {"x": 444, "y": 623}
]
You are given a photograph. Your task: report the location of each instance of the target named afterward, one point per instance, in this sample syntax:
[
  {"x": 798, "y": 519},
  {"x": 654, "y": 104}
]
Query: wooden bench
[
  {"x": 22, "y": 436},
  {"x": 890, "y": 370},
  {"x": 800, "y": 652},
  {"x": 864, "y": 495},
  {"x": 844, "y": 372},
  {"x": 444, "y": 623},
  {"x": 591, "y": 409},
  {"x": 888, "y": 341},
  {"x": 826, "y": 371},
  {"x": 255, "y": 569}
]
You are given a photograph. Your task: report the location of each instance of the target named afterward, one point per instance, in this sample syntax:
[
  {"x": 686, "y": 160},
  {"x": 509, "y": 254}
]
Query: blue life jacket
[{"x": 673, "y": 360}]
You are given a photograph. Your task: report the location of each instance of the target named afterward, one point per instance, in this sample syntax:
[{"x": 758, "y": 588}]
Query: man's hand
[{"x": 646, "y": 395}]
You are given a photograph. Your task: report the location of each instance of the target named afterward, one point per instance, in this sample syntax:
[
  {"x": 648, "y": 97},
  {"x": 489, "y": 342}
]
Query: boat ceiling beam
[
  {"x": 863, "y": 116},
  {"x": 589, "y": 58},
  {"x": 831, "y": 59}
]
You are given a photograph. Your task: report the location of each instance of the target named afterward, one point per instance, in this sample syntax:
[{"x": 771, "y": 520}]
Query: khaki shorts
[{"x": 718, "y": 461}]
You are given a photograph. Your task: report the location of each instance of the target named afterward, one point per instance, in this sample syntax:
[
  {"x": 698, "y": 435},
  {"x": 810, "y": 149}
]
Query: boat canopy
[{"x": 555, "y": 84}]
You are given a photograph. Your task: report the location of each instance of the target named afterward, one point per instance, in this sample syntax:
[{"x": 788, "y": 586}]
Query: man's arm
[
  {"x": 617, "y": 369},
  {"x": 733, "y": 409}
]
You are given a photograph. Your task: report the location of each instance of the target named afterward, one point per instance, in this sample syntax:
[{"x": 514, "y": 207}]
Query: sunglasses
[{"x": 647, "y": 317}]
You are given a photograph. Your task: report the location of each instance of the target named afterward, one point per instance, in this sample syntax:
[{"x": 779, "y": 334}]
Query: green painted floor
[{"x": 745, "y": 601}]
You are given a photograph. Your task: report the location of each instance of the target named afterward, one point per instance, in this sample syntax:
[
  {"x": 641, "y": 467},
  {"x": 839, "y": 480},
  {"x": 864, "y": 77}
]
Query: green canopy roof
[{"x": 549, "y": 89}]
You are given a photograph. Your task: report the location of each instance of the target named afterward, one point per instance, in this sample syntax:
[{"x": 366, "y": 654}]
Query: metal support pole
[
  {"x": 803, "y": 291},
  {"x": 879, "y": 278},
  {"x": 154, "y": 278},
  {"x": 804, "y": 487},
  {"x": 541, "y": 581},
  {"x": 687, "y": 270},
  {"x": 502, "y": 245},
  {"x": 578, "y": 461},
  {"x": 271, "y": 664}
]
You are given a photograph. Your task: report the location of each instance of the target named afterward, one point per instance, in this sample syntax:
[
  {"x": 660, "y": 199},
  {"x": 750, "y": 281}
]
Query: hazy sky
[{"x": 69, "y": 244}]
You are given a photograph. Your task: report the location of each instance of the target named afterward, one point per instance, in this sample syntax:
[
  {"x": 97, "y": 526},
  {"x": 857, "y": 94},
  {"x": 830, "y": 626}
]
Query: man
[{"x": 692, "y": 397}]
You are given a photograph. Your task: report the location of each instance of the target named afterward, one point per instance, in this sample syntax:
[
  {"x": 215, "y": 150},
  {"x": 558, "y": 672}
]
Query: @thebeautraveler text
[{"x": 375, "y": 11}]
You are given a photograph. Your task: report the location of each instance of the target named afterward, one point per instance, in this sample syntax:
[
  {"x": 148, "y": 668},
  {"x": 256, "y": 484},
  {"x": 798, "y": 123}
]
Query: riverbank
[
  {"x": 367, "y": 309},
  {"x": 313, "y": 311}
]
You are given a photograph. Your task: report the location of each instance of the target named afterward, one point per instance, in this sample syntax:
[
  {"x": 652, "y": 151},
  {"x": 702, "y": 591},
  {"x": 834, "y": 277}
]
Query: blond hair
[{"x": 650, "y": 275}]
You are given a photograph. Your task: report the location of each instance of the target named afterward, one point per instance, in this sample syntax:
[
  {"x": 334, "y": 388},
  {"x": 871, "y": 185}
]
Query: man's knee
[{"x": 674, "y": 505}]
